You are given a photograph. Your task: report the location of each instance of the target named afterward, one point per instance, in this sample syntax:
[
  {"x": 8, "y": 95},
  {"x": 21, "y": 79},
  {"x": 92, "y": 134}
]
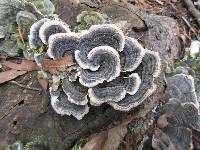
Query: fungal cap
[
  {"x": 76, "y": 93},
  {"x": 70, "y": 110},
  {"x": 120, "y": 93},
  {"x": 84, "y": 64},
  {"x": 157, "y": 69},
  {"x": 115, "y": 65},
  {"x": 58, "y": 26},
  {"x": 98, "y": 35},
  {"x": 34, "y": 33},
  {"x": 133, "y": 88},
  {"x": 114, "y": 93},
  {"x": 134, "y": 104},
  {"x": 131, "y": 101},
  {"x": 114, "y": 29},
  {"x": 132, "y": 49},
  {"x": 55, "y": 40},
  {"x": 182, "y": 87}
]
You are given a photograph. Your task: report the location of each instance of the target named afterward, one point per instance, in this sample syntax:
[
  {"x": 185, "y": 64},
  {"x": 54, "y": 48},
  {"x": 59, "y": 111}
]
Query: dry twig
[
  {"x": 189, "y": 25},
  {"x": 24, "y": 86},
  {"x": 193, "y": 10}
]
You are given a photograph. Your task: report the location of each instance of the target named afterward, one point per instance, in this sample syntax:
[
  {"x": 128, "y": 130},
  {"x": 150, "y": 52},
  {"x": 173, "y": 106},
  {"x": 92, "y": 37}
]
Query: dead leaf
[
  {"x": 97, "y": 142},
  {"x": 51, "y": 66},
  {"x": 44, "y": 83},
  {"x": 25, "y": 65},
  {"x": 9, "y": 75},
  {"x": 21, "y": 35},
  {"x": 115, "y": 137},
  {"x": 162, "y": 120},
  {"x": 107, "y": 140},
  {"x": 54, "y": 66}
]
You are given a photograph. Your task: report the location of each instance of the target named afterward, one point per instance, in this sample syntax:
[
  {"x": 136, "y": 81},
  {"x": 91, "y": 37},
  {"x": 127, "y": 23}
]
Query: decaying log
[{"x": 26, "y": 114}]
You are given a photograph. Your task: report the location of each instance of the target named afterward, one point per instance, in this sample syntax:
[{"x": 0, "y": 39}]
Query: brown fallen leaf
[
  {"x": 108, "y": 140},
  {"x": 54, "y": 66},
  {"x": 21, "y": 35},
  {"x": 9, "y": 75},
  {"x": 25, "y": 65},
  {"x": 51, "y": 66},
  {"x": 97, "y": 142},
  {"x": 44, "y": 83},
  {"x": 111, "y": 139},
  {"x": 162, "y": 121},
  {"x": 115, "y": 137}
]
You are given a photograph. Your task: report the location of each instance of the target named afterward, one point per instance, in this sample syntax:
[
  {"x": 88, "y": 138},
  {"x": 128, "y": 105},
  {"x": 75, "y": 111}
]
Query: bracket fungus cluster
[
  {"x": 181, "y": 86},
  {"x": 179, "y": 118},
  {"x": 110, "y": 67}
]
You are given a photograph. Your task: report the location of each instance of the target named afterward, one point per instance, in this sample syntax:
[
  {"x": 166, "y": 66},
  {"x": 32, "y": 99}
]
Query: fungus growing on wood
[
  {"x": 51, "y": 27},
  {"x": 179, "y": 117},
  {"x": 75, "y": 92},
  {"x": 34, "y": 40},
  {"x": 150, "y": 66},
  {"x": 98, "y": 35},
  {"x": 60, "y": 43},
  {"x": 40, "y": 33},
  {"x": 111, "y": 68},
  {"x": 175, "y": 138},
  {"x": 132, "y": 55},
  {"x": 107, "y": 61},
  {"x": 181, "y": 87},
  {"x": 115, "y": 90},
  {"x": 62, "y": 106}
]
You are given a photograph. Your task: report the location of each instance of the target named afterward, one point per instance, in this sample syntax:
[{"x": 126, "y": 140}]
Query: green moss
[
  {"x": 113, "y": 10},
  {"x": 79, "y": 144},
  {"x": 88, "y": 18},
  {"x": 37, "y": 143},
  {"x": 76, "y": 147},
  {"x": 46, "y": 7},
  {"x": 1, "y": 67},
  {"x": 192, "y": 63},
  {"x": 15, "y": 146},
  {"x": 20, "y": 14}
]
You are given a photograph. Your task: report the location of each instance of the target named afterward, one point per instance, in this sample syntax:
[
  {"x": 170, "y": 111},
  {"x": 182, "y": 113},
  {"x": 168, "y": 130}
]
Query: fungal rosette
[{"x": 110, "y": 68}]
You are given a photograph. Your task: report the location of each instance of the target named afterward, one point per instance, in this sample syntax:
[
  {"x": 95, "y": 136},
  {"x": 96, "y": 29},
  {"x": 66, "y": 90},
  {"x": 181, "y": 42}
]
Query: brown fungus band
[{"x": 111, "y": 68}]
